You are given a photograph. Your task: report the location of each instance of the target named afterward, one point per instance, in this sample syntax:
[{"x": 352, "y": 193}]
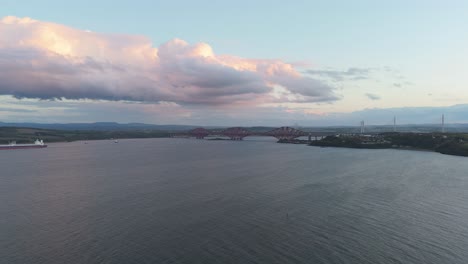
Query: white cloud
[{"x": 51, "y": 61}]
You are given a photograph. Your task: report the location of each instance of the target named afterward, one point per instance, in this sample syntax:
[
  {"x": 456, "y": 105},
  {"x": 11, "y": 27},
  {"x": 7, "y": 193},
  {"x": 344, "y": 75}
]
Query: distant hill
[
  {"x": 113, "y": 126},
  {"x": 100, "y": 126},
  {"x": 28, "y": 135}
]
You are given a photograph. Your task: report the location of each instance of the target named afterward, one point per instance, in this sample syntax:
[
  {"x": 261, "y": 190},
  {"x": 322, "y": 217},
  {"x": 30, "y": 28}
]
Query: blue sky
[
  {"x": 331, "y": 32},
  {"x": 409, "y": 53}
]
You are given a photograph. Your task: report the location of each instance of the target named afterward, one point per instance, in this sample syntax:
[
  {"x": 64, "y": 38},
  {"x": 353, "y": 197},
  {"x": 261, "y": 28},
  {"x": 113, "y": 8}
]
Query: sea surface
[{"x": 253, "y": 201}]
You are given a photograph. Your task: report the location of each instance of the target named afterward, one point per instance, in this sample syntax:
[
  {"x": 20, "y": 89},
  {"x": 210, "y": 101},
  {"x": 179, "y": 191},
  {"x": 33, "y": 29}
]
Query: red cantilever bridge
[{"x": 239, "y": 133}]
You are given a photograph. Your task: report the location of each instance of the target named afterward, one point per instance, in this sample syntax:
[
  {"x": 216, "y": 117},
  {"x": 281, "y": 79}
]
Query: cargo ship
[{"x": 37, "y": 144}]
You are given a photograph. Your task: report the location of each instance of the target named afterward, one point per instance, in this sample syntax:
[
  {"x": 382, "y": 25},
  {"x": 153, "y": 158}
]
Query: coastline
[
  {"x": 448, "y": 144},
  {"x": 27, "y": 135}
]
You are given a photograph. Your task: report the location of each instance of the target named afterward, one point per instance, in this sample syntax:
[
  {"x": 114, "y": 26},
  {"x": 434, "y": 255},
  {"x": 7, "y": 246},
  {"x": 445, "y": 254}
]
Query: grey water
[{"x": 255, "y": 201}]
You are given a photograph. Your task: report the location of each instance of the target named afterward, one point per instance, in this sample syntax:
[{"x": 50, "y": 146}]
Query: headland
[{"x": 445, "y": 143}]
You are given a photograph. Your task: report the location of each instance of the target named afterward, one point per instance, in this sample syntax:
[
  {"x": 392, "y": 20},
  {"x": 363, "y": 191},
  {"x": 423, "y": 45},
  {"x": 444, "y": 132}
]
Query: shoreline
[{"x": 448, "y": 144}]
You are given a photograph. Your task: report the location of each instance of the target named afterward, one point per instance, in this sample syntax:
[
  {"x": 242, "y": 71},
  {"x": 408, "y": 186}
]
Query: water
[{"x": 195, "y": 201}]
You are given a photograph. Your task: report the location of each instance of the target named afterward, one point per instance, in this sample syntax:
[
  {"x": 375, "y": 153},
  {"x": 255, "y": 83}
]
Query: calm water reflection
[{"x": 194, "y": 201}]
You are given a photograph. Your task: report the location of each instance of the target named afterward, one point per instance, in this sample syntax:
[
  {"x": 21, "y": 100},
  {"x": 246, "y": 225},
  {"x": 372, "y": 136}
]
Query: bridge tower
[
  {"x": 286, "y": 133},
  {"x": 199, "y": 133},
  {"x": 443, "y": 123},
  {"x": 236, "y": 133}
]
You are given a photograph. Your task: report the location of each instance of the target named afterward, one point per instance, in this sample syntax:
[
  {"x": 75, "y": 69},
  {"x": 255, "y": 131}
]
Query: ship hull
[{"x": 22, "y": 147}]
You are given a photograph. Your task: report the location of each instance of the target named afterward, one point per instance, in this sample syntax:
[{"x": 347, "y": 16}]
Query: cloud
[
  {"x": 406, "y": 115},
  {"x": 349, "y": 74},
  {"x": 378, "y": 116},
  {"x": 372, "y": 96},
  {"x": 16, "y": 110},
  {"x": 46, "y": 111},
  {"x": 51, "y": 61}
]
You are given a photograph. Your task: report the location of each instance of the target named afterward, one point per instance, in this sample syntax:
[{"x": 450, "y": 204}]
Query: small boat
[{"x": 37, "y": 144}]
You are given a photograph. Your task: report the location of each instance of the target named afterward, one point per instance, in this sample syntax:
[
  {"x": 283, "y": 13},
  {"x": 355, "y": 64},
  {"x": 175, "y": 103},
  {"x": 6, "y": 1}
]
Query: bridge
[{"x": 239, "y": 133}]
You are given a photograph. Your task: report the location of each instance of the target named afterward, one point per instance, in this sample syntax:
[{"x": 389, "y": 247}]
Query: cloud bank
[
  {"x": 66, "y": 111},
  {"x": 349, "y": 74},
  {"x": 51, "y": 61}
]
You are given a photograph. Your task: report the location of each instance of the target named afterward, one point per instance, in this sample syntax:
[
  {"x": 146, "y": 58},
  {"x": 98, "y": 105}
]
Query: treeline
[
  {"x": 416, "y": 140},
  {"x": 452, "y": 144}
]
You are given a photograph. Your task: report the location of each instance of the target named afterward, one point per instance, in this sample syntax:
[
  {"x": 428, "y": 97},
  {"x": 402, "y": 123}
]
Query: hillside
[{"x": 28, "y": 135}]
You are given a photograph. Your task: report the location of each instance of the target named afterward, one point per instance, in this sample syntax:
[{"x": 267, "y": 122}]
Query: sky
[{"x": 234, "y": 62}]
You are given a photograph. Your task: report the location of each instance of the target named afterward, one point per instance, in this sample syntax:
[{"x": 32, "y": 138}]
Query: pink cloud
[{"x": 51, "y": 61}]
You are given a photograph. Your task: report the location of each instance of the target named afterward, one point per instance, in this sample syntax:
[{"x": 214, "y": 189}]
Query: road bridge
[{"x": 239, "y": 133}]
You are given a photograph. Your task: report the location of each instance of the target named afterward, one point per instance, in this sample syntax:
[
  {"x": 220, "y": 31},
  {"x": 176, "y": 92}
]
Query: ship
[{"x": 37, "y": 144}]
